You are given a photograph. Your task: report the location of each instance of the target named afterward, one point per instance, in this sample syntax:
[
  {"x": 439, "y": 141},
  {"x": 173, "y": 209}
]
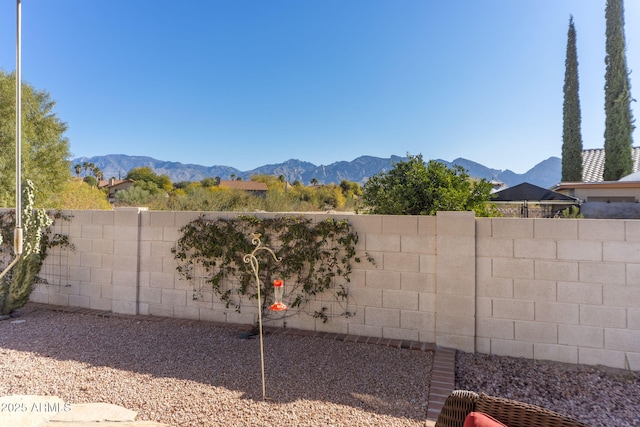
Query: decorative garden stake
[
  {"x": 278, "y": 291},
  {"x": 253, "y": 261}
]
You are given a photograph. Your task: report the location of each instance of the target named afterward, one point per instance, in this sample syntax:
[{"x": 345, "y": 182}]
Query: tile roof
[{"x": 593, "y": 163}]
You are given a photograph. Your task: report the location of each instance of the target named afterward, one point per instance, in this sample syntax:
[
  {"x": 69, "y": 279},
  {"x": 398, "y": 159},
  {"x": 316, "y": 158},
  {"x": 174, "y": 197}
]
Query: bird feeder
[{"x": 278, "y": 292}]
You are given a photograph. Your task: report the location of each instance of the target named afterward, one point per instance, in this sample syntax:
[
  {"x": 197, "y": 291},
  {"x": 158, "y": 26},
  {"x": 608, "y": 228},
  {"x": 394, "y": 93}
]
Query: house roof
[
  {"x": 593, "y": 163},
  {"x": 633, "y": 177},
  {"x": 113, "y": 182},
  {"x": 526, "y": 191},
  {"x": 599, "y": 185},
  {"x": 243, "y": 185}
]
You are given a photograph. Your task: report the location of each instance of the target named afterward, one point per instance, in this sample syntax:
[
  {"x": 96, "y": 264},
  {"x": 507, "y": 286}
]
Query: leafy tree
[
  {"x": 90, "y": 180},
  {"x": 149, "y": 186},
  {"x": 328, "y": 197},
  {"x": 77, "y": 194},
  {"x": 134, "y": 196},
  {"x": 148, "y": 180},
  {"x": 350, "y": 189},
  {"x": 571, "y": 134},
  {"x": 209, "y": 182},
  {"x": 617, "y": 106},
  {"x": 182, "y": 184},
  {"x": 45, "y": 150},
  {"x": 412, "y": 187}
]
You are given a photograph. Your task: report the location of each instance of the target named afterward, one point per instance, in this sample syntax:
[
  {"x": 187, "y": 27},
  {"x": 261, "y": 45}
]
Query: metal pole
[
  {"x": 17, "y": 232},
  {"x": 17, "y": 241}
]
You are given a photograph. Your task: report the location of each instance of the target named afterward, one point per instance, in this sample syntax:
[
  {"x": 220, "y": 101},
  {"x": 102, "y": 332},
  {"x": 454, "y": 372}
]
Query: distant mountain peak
[{"x": 545, "y": 174}]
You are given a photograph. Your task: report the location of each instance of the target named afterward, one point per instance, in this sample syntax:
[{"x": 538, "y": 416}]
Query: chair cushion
[{"x": 480, "y": 419}]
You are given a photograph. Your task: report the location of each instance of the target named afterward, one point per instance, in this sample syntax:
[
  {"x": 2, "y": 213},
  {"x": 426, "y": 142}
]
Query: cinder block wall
[
  {"x": 565, "y": 290},
  {"x": 123, "y": 263}
]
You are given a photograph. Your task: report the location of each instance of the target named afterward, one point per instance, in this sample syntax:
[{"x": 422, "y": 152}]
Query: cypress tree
[
  {"x": 571, "y": 134},
  {"x": 617, "y": 104}
]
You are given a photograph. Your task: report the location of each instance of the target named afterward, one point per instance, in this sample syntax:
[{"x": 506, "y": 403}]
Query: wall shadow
[{"x": 377, "y": 379}]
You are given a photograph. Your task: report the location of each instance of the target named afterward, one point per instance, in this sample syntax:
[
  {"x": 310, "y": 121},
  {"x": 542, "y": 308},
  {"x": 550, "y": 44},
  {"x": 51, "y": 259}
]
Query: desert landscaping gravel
[
  {"x": 184, "y": 373},
  {"x": 196, "y": 374},
  {"x": 596, "y": 396}
]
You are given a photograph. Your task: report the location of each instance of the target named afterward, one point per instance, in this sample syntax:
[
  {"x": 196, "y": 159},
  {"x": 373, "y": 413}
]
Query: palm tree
[
  {"x": 78, "y": 169},
  {"x": 98, "y": 173}
]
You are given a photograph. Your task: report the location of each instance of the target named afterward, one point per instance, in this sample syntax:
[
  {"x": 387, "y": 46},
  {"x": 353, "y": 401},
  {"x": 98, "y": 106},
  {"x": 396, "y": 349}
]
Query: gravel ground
[
  {"x": 594, "y": 395},
  {"x": 196, "y": 374}
]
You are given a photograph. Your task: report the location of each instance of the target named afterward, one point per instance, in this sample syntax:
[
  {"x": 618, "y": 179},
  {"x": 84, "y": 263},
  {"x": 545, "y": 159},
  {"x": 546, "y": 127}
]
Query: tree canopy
[
  {"x": 412, "y": 187},
  {"x": 148, "y": 180},
  {"x": 78, "y": 194},
  {"x": 45, "y": 149}
]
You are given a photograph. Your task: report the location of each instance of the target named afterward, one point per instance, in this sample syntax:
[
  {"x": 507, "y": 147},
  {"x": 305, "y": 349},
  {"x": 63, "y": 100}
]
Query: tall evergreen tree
[
  {"x": 617, "y": 105},
  {"x": 571, "y": 133}
]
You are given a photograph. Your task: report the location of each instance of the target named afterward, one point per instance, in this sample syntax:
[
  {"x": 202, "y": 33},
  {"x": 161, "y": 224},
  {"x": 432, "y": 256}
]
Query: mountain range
[{"x": 545, "y": 174}]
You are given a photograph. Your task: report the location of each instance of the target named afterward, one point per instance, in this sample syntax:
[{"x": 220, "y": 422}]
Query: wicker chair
[{"x": 509, "y": 412}]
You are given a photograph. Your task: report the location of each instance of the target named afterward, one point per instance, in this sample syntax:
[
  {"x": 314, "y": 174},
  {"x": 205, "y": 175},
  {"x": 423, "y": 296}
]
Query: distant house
[
  {"x": 530, "y": 201},
  {"x": 603, "y": 191},
  {"x": 115, "y": 185},
  {"x": 606, "y": 199},
  {"x": 593, "y": 188},
  {"x": 253, "y": 187}
]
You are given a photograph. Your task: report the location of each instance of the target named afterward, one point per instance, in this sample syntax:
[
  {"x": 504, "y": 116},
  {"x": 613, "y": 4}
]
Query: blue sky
[{"x": 245, "y": 83}]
